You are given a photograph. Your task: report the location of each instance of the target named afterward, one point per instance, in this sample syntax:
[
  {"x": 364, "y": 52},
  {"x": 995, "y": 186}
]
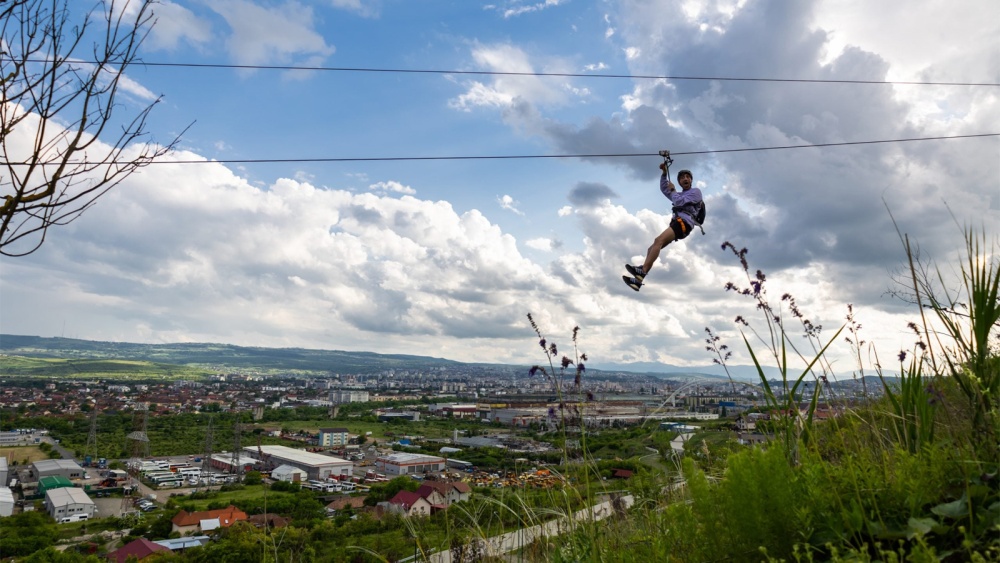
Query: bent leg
[{"x": 665, "y": 238}]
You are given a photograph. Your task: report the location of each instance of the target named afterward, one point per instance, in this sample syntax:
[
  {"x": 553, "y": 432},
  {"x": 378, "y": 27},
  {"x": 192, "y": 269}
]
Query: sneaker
[
  {"x": 634, "y": 283},
  {"x": 638, "y": 272}
]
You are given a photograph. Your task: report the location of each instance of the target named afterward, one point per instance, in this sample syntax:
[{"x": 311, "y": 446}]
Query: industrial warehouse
[
  {"x": 316, "y": 466},
  {"x": 406, "y": 464}
]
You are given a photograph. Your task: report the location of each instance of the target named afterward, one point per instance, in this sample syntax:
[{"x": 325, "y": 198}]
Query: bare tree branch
[{"x": 59, "y": 109}]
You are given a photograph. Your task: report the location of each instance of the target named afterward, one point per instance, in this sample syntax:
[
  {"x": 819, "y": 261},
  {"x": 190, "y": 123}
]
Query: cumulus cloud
[
  {"x": 284, "y": 262},
  {"x": 174, "y": 24},
  {"x": 392, "y": 187},
  {"x": 503, "y": 90},
  {"x": 320, "y": 259},
  {"x": 543, "y": 243},
  {"x": 508, "y": 203},
  {"x": 589, "y": 194},
  {"x": 282, "y": 34},
  {"x": 810, "y": 203}
]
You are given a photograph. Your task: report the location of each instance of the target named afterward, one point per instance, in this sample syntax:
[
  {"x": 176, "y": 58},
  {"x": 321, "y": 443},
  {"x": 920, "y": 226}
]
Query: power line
[
  {"x": 559, "y": 74},
  {"x": 540, "y": 156},
  {"x": 512, "y": 156}
]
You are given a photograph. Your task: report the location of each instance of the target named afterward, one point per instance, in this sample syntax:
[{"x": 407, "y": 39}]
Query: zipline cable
[
  {"x": 505, "y": 157},
  {"x": 564, "y": 74},
  {"x": 550, "y": 74},
  {"x": 539, "y": 156}
]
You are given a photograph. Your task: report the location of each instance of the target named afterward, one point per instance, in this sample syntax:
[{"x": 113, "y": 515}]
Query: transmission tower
[
  {"x": 206, "y": 462},
  {"x": 138, "y": 448},
  {"x": 90, "y": 452},
  {"x": 236, "y": 465}
]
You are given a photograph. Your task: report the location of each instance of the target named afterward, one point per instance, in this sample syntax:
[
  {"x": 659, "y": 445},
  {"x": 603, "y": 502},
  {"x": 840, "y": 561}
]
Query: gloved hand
[{"x": 663, "y": 167}]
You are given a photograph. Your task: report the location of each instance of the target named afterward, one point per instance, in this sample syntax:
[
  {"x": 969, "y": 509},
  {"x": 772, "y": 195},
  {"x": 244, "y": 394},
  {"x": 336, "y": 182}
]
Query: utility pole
[
  {"x": 138, "y": 448},
  {"x": 90, "y": 452},
  {"x": 206, "y": 462},
  {"x": 236, "y": 465}
]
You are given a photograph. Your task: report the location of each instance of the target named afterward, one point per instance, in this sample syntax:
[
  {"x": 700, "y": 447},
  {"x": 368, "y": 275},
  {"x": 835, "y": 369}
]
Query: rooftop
[
  {"x": 67, "y": 495},
  {"x": 183, "y": 543},
  {"x": 298, "y": 456},
  {"x": 56, "y": 464},
  {"x": 411, "y": 458},
  {"x": 138, "y": 549},
  {"x": 224, "y": 516}
]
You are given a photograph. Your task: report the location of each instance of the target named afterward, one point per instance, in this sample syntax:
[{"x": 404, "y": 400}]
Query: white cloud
[
  {"x": 364, "y": 8},
  {"x": 515, "y": 8},
  {"x": 331, "y": 259},
  {"x": 392, "y": 187},
  {"x": 503, "y": 90},
  {"x": 508, "y": 203},
  {"x": 609, "y": 31},
  {"x": 283, "y": 34},
  {"x": 544, "y": 244},
  {"x": 175, "y": 23}
]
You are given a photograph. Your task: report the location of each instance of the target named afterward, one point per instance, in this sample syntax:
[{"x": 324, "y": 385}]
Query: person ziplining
[{"x": 688, "y": 212}]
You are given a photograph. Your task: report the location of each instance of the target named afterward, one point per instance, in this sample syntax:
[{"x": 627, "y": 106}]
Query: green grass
[
  {"x": 60, "y": 368},
  {"x": 248, "y": 493},
  {"x": 21, "y": 453}
]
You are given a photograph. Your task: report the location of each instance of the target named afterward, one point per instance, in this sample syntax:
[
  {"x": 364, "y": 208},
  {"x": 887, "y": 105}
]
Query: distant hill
[
  {"x": 220, "y": 356},
  {"x": 216, "y": 355}
]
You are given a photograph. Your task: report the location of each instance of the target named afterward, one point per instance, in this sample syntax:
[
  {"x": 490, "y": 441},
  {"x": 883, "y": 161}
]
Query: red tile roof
[
  {"x": 405, "y": 498},
  {"x": 227, "y": 516},
  {"x": 353, "y": 502},
  {"x": 140, "y": 549}
]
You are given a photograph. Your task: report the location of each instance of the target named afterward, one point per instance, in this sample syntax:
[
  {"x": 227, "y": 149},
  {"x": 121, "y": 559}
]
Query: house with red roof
[
  {"x": 185, "y": 522},
  {"x": 621, "y": 473},
  {"x": 343, "y": 503},
  {"x": 139, "y": 549},
  {"x": 446, "y": 493},
  {"x": 408, "y": 503}
]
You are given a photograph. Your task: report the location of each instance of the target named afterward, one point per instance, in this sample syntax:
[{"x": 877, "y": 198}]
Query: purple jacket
[{"x": 685, "y": 202}]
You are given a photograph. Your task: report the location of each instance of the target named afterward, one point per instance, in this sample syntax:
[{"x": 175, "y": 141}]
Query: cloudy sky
[{"x": 445, "y": 257}]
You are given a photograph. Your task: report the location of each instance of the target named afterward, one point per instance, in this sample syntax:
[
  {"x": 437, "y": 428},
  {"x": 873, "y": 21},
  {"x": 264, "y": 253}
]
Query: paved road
[{"x": 66, "y": 454}]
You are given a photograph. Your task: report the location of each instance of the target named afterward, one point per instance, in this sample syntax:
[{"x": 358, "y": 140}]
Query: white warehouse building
[
  {"x": 289, "y": 474},
  {"x": 6, "y": 501},
  {"x": 316, "y": 466},
  {"x": 408, "y": 464},
  {"x": 68, "y": 504}
]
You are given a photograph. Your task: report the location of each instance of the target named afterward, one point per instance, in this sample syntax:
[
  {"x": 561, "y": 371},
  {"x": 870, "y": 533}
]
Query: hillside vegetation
[
  {"x": 206, "y": 355},
  {"x": 62, "y": 368}
]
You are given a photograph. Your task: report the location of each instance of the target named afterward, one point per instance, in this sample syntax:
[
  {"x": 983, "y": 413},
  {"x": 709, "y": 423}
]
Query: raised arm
[{"x": 666, "y": 186}]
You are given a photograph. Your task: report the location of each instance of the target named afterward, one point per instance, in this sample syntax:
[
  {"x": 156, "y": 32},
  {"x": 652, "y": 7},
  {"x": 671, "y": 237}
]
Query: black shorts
[{"x": 680, "y": 227}]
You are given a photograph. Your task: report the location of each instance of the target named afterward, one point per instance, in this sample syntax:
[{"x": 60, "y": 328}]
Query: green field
[
  {"x": 60, "y": 368},
  {"x": 21, "y": 453},
  {"x": 240, "y": 497}
]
